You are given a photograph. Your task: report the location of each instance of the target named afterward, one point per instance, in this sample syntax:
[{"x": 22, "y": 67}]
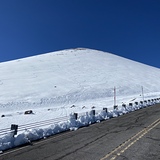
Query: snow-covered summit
[{"x": 72, "y": 76}]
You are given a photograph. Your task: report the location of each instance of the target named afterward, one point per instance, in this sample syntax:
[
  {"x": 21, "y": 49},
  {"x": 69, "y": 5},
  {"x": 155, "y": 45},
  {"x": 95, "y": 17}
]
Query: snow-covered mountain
[{"x": 73, "y": 76}]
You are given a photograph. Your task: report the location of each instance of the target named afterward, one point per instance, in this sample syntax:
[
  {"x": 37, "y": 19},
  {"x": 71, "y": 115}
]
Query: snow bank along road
[{"x": 131, "y": 136}]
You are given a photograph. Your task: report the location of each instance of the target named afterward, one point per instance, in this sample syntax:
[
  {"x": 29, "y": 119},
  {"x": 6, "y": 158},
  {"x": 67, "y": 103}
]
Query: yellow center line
[{"x": 131, "y": 141}]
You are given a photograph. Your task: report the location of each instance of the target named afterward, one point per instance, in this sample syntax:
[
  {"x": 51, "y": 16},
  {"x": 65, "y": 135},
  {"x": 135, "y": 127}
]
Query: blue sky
[{"x": 128, "y": 28}]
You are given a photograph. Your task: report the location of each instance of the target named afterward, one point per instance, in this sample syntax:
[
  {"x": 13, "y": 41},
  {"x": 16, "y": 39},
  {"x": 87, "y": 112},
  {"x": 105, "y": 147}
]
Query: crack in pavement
[
  {"x": 87, "y": 144},
  {"x": 154, "y": 139}
]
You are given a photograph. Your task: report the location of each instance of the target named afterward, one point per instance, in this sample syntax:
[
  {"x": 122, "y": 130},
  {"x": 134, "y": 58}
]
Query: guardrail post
[
  {"x": 124, "y": 106},
  {"x": 14, "y": 128},
  {"x": 115, "y": 107},
  {"x": 105, "y": 109},
  {"x": 136, "y": 103},
  {"x": 93, "y": 112},
  {"x": 141, "y": 102},
  {"x": 76, "y": 115}
]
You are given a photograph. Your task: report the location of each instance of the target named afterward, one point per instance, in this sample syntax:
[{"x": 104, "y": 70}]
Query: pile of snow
[{"x": 56, "y": 84}]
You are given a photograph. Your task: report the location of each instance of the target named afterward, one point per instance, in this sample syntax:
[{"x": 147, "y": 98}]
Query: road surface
[{"x": 133, "y": 136}]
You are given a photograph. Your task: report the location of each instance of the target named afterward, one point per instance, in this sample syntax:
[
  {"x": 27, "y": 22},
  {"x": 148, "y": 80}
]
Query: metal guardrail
[{"x": 33, "y": 125}]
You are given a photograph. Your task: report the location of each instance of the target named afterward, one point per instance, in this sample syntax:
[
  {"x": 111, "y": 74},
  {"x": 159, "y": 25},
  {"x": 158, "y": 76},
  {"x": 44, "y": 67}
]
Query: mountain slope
[{"x": 73, "y": 76}]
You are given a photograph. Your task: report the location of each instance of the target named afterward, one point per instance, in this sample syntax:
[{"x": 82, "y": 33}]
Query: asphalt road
[{"x": 134, "y": 136}]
